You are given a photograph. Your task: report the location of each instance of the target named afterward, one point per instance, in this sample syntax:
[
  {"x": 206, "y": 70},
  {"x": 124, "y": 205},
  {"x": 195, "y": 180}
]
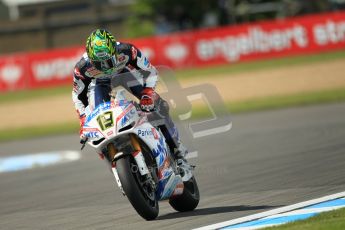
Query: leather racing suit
[{"x": 92, "y": 87}]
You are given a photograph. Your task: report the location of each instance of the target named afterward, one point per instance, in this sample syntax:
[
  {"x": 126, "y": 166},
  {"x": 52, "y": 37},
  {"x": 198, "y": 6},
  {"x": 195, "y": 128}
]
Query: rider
[{"x": 107, "y": 57}]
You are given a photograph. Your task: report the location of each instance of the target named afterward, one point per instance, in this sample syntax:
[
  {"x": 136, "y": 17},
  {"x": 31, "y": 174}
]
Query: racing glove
[{"x": 147, "y": 99}]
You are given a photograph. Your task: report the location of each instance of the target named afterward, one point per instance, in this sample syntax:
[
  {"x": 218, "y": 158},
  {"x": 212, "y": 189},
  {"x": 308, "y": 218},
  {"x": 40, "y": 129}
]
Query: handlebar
[{"x": 83, "y": 143}]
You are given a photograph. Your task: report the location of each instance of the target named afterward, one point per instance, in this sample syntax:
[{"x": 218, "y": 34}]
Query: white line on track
[
  {"x": 304, "y": 211},
  {"x": 30, "y": 161},
  {"x": 273, "y": 212}
]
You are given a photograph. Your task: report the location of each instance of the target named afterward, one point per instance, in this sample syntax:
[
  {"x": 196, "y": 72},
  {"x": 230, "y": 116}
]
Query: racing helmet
[{"x": 101, "y": 50}]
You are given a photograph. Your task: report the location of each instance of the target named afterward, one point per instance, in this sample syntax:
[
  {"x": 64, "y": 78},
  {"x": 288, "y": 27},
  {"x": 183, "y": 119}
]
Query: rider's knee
[{"x": 163, "y": 107}]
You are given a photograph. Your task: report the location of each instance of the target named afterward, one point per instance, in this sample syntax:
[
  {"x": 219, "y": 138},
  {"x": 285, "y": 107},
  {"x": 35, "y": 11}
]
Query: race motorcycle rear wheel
[
  {"x": 141, "y": 197},
  {"x": 189, "y": 199}
]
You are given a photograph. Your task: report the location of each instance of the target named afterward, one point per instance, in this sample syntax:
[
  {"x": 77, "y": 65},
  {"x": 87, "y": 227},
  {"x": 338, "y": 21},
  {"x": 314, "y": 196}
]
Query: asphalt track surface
[{"x": 269, "y": 159}]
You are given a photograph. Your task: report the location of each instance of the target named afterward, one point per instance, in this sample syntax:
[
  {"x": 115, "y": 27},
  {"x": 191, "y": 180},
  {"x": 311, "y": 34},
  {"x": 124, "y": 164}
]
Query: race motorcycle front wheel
[
  {"x": 138, "y": 191},
  {"x": 189, "y": 199}
]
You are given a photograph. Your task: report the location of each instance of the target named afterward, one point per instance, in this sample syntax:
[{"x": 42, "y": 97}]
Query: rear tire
[
  {"x": 189, "y": 199},
  {"x": 146, "y": 208}
]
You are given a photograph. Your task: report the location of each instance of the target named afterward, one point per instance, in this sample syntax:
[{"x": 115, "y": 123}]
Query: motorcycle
[{"x": 140, "y": 159}]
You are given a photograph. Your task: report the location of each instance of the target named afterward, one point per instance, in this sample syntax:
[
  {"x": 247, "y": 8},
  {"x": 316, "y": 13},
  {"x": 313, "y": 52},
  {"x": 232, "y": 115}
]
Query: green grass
[
  {"x": 331, "y": 96},
  {"x": 277, "y": 102},
  {"x": 334, "y": 220},
  {"x": 25, "y": 95},
  {"x": 301, "y": 99},
  {"x": 39, "y": 131}
]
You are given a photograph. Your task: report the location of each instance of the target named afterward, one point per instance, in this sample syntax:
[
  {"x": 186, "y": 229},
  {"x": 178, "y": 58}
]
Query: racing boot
[
  {"x": 184, "y": 168},
  {"x": 180, "y": 152}
]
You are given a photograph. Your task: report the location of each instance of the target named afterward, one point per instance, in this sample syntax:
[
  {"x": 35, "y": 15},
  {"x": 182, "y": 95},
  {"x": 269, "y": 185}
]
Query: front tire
[
  {"x": 145, "y": 207},
  {"x": 189, "y": 199}
]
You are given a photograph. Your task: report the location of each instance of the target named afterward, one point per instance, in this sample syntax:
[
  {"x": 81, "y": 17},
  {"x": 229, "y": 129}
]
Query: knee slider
[{"x": 163, "y": 107}]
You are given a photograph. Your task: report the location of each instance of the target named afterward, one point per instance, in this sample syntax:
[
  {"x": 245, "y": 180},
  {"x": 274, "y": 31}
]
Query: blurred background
[
  {"x": 252, "y": 51},
  {"x": 27, "y": 25},
  {"x": 277, "y": 65}
]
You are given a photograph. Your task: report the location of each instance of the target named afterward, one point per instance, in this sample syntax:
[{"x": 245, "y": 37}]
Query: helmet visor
[{"x": 105, "y": 65}]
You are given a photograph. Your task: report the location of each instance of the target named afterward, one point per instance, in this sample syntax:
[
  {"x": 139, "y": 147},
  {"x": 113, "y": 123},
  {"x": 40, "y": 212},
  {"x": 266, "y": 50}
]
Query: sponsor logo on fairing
[
  {"x": 91, "y": 133},
  {"x": 126, "y": 115},
  {"x": 99, "y": 109},
  {"x": 146, "y": 132}
]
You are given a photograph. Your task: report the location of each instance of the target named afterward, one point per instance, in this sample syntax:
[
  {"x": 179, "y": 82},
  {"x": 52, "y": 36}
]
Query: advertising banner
[{"x": 199, "y": 48}]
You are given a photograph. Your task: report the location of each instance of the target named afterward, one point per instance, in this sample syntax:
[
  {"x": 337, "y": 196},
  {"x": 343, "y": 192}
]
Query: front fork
[
  {"x": 112, "y": 153},
  {"x": 137, "y": 155}
]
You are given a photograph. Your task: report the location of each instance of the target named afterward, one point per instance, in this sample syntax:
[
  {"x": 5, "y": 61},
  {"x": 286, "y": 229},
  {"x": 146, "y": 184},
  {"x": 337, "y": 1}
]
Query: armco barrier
[{"x": 271, "y": 39}]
